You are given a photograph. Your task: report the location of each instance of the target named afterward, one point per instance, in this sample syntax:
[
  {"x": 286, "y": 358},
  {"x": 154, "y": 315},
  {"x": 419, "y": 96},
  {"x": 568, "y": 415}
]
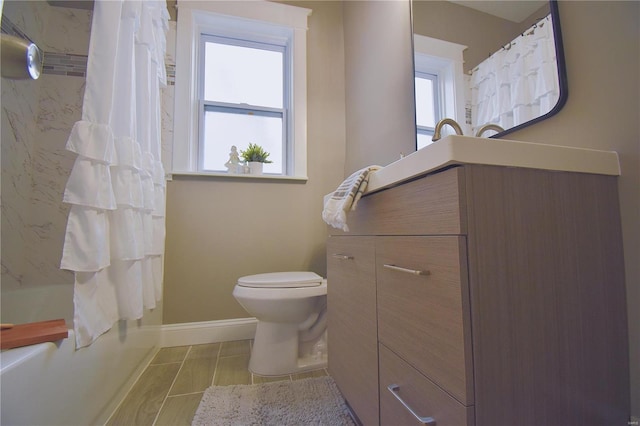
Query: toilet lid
[{"x": 281, "y": 279}]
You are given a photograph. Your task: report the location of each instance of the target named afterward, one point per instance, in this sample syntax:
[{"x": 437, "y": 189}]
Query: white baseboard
[{"x": 198, "y": 333}]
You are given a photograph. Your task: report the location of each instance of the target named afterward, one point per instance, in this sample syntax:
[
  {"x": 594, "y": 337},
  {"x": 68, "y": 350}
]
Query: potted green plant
[{"x": 255, "y": 156}]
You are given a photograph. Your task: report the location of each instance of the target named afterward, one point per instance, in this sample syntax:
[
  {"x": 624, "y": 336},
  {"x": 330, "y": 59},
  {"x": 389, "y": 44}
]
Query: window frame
[
  {"x": 444, "y": 59},
  {"x": 263, "y": 21}
]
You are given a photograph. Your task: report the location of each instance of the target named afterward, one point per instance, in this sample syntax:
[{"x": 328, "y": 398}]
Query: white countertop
[{"x": 454, "y": 149}]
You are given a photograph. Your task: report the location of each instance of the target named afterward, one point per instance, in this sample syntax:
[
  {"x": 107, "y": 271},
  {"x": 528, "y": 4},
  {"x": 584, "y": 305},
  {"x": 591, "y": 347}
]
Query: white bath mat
[{"x": 314, "y": 401}]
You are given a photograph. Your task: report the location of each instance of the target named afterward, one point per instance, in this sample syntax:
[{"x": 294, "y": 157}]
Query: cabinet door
[
  {"x": 423, "y": 308},
  {"x": 352, "y": 328}
]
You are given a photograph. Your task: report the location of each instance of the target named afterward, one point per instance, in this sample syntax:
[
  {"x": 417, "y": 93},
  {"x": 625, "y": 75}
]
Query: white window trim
[
  {"x": 444, "y": 59},
  {"x": 193, "y": 16}
]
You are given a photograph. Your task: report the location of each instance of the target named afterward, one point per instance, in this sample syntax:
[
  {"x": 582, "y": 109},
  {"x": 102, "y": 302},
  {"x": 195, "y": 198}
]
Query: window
[
  {"x": 240, "y": 79},
  {"x": 242, "y": 101},
  {"x": 427, "y": 106},
  {"x": 439, "y": 84}
]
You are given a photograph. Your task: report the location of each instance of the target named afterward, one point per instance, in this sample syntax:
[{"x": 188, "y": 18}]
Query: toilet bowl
[{"x": 291, "y": 311}]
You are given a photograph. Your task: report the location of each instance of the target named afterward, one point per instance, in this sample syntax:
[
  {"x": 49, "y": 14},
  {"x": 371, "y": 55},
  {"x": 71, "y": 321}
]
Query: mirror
[{"x": 476, "y": 49}]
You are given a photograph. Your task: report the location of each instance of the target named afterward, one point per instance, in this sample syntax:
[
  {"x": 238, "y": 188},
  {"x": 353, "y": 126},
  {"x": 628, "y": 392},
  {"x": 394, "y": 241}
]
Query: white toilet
[{"x": 291, "y": 311}]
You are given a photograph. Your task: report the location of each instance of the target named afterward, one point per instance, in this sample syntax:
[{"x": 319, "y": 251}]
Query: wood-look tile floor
[{"x": 170, "y": 389}]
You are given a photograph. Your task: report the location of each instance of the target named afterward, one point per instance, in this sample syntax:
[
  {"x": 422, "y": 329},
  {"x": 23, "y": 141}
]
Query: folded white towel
[{"x": 345, "y": 198}]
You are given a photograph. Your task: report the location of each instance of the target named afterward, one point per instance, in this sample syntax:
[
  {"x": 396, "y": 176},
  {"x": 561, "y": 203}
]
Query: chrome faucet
[
  {"x": 437, "y": 133},
  {"x": 489, "y": 126}
]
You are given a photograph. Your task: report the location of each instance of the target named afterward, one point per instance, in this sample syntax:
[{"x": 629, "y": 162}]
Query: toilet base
[
  {"x": 275, "y": 351},
  {"x": 310, "y": 363}
]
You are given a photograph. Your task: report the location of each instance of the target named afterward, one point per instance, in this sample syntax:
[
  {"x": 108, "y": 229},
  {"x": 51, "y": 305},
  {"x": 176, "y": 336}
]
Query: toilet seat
[{"x": 281, "y": 280}]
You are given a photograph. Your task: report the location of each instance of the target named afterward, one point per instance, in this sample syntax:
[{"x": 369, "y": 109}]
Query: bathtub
[{"x": 55, "y": 384}]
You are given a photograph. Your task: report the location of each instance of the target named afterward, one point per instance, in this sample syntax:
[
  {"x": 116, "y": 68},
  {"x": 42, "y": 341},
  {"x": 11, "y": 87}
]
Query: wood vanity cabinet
[{"x": 482, "y": 295}]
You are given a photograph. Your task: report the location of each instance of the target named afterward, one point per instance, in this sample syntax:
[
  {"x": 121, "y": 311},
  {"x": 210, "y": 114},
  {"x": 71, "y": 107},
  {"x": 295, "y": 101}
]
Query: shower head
[{"x": 20, "y": 59}]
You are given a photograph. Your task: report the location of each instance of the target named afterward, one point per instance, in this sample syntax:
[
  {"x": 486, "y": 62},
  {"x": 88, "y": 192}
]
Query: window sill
[{"x": 231, "y": 176}]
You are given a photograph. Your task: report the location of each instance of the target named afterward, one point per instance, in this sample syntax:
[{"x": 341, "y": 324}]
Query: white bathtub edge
[
  {"x": 43, "y": 383},
  {"x": 13, "y": 358}
]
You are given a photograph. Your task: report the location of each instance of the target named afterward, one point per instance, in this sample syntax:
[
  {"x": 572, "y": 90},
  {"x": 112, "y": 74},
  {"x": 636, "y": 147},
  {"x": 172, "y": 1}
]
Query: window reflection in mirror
[{"x": 503, "y": 64}]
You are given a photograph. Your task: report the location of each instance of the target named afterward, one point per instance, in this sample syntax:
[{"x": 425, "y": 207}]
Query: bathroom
[{"x": 213, "y": 232}]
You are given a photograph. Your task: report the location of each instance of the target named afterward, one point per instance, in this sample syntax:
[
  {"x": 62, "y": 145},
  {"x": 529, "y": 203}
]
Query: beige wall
[
  {"x": 219, "y": 230},
  {"x": 379, "y": 75}
]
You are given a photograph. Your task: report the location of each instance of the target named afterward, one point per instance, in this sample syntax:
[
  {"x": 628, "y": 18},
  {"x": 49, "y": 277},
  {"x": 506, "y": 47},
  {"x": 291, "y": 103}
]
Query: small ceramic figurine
[{"x": 234, "y": 164}]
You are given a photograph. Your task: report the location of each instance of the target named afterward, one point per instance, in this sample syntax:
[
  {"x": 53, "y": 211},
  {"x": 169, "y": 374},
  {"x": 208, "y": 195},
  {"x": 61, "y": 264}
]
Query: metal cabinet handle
[
  {"x": 405, "y": 270},
  {"x": 342, "y": 256},
  {"x": 424, "y": 420}
]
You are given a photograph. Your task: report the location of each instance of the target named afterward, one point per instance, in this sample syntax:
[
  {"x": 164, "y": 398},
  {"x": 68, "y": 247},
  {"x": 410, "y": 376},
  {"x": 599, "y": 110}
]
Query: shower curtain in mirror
[
  {"x": 517, "y": 83},
  {"x": 114, "y": 240}
]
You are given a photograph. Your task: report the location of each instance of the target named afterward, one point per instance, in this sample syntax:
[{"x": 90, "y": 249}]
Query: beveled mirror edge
[{"x": 413, "y": 80}]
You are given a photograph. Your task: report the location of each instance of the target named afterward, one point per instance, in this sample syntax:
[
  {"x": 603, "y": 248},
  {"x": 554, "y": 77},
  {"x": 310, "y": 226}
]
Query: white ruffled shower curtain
[
  {"x": 114, "y": 240},
  {"x": 517, "y": 83}
]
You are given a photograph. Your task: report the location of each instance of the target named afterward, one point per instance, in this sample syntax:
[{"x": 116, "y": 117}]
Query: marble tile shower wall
[
  {"x": 20, "y": 105},
  {"x": 37, "y": 117}
]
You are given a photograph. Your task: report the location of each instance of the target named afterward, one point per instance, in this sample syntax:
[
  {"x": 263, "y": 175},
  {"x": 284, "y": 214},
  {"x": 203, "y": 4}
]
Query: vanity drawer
[
  {"x": 433, "y": 204},
  {"x": 425, "y": 318},
  {"x": 419, "y": 393}
]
